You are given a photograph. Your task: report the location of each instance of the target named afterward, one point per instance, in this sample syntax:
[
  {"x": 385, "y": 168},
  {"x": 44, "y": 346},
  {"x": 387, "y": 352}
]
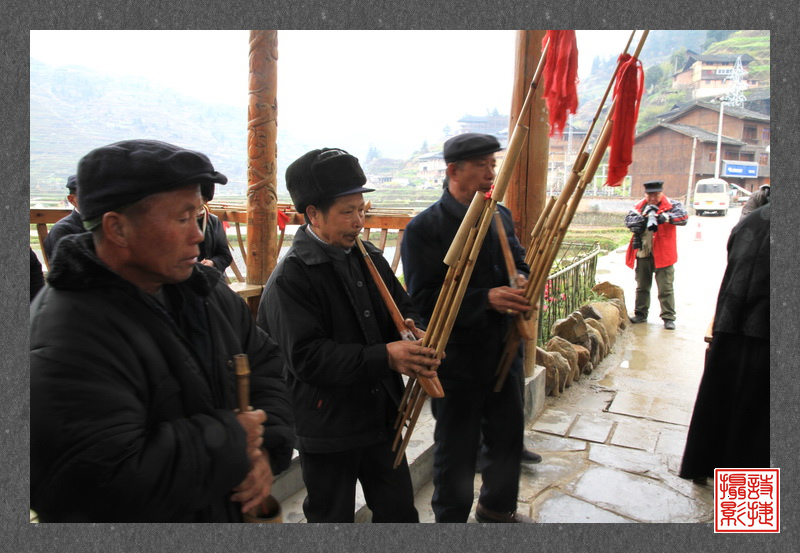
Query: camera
[
  {"x": 650, "y": 213},
  {"x": 636, "y": 244}
]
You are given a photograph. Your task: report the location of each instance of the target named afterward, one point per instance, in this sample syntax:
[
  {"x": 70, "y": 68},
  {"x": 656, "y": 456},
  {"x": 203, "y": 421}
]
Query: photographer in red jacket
[{"x": 653, "y": 249}]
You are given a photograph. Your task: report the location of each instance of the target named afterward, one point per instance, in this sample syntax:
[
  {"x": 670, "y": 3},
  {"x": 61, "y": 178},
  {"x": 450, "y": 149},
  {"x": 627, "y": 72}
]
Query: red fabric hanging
[
  {"x": 282, "y": 219},
  {"x": 627, "y": 94},
  {"x": 560, "y": 77}
]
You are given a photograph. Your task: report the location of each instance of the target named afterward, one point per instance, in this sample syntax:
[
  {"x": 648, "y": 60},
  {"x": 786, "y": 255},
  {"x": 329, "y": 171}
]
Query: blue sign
[{"x": 741, "y": 169}]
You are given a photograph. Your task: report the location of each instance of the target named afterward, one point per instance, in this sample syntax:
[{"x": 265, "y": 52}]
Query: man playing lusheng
[
  {"x": 132, "y": 383},
  {"x": 470, "y": 408},
  {"x": 344, "y": 355},
  {"x": 653, "y": 248}
]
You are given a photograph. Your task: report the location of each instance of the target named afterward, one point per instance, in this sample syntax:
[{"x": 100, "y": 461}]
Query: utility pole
[{"x": 734, "y": 97}]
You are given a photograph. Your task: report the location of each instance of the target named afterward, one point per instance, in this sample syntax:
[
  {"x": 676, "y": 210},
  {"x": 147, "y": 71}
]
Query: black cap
[
  {"x": 120, "y": 174},
  {"x": 72, "y": 183},
  {"x": 654, "y": 186},
  {"x": 207, "y": 190},
  {"x": 469, "y": 145},
  {"x": 322, "y": 174}
]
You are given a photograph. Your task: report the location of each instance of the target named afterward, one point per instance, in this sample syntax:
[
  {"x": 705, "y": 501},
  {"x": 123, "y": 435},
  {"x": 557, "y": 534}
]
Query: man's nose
[{"x": 196, "y": 235}]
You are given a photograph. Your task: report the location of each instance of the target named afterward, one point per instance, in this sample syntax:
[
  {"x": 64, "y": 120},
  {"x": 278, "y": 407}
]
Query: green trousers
[{"x": 665, "y": 276}]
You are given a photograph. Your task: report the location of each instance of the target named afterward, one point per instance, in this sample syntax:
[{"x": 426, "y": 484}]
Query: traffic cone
[{"x": 698, "y": 235}]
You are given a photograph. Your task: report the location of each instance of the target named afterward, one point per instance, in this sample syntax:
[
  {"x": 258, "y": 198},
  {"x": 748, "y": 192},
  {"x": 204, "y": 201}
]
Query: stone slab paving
[
  {"x": 636, "y": 497},
  {"x": 635, "y": 434},
  {"x": 592, "y": 428},
  {"x": 557, "y": 507}
]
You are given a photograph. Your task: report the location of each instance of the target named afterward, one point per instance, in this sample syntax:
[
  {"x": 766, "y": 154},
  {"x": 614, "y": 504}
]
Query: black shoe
[
  {"x": 637, "y": 318},
  {"x": 669, "y": 325},
  {"x": 482, "y": 514},
  {"x": 529, "y": 457}
]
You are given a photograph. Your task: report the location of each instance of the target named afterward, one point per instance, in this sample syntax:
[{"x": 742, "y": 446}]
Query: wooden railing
[{"x": 379, "y": 223}]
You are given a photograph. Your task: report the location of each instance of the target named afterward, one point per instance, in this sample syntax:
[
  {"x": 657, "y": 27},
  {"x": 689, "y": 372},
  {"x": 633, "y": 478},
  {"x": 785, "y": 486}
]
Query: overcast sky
[{"x": 400, "y": 87}]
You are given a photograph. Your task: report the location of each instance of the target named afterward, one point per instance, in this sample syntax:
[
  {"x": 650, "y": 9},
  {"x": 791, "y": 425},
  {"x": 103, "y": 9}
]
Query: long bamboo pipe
[
  {"x": 556, "y": 230},
  {"x": 467, "y": 262},
  {"x": 432, "y": 386}
]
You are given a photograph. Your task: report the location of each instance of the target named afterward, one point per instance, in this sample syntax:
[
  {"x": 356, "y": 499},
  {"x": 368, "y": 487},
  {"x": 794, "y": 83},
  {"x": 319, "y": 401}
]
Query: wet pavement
[{"x": 612, "y": 443}]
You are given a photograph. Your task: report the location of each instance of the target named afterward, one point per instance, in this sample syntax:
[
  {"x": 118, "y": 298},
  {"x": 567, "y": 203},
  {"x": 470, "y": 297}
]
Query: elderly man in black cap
[
  {"x": 344, "y": 356},
  {"x": 653, "y": 249},
  {"x": 470, "y": 409},
  {"x": 71, "y": 224},
  {"x": 133, "y": 409}
]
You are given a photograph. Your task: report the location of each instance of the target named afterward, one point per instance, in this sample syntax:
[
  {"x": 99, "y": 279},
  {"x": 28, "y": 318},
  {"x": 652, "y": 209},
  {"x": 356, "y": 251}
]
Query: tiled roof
[{"x": 694, "y": 132}]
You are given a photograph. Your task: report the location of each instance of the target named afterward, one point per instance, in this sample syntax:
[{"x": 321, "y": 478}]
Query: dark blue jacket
[
  {"x": 477, "y": 339},
  {"x": 71, "y": 224},
  {"x": 333, "y": 330}
]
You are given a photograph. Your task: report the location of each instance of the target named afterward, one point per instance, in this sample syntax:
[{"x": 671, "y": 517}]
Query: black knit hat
[
  {"x": 72, "y": 183},
  {"x": 470, "y": 145},
  {"x": 323, "y": 174},
  {"x": 654, "y": 186},
  {"x": 120, "y": 174}
]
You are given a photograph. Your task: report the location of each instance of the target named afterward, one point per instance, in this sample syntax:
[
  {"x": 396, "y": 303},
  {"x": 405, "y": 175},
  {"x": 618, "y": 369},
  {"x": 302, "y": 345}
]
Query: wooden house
[{"x": 682, "y": 148}]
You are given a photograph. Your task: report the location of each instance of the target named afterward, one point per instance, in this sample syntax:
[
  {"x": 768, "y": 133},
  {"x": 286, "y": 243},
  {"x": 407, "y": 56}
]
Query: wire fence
[{"x": 569, "y": 284}]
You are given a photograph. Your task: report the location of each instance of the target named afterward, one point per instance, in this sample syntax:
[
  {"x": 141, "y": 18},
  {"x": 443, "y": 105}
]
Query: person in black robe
[{"x": 730, "y": 422}]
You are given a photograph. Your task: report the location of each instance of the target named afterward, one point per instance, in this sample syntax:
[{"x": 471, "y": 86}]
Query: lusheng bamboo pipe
[
  {"x": 270, "y": 509},
  {"x": 432, "y": 386},
  {"x": 555, "y": 230},
  {"x": 468, "y": 255},
  {"x": 523, "y": 325}
]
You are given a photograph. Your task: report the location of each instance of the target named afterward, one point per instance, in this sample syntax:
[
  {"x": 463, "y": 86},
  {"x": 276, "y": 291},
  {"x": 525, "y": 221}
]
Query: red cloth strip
[
  {"x": 560, "y": 77},
  {"x": 628, "y": 95}
]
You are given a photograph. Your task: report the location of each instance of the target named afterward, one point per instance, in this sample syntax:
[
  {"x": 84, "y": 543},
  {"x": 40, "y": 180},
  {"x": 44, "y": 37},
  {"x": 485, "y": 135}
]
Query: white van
[{"x": 711, "y": 195}]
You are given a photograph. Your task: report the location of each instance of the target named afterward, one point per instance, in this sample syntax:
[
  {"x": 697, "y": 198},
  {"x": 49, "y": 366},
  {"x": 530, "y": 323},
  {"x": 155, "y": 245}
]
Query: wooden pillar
[
  {"x": 527, "y": 189},
  {"x": 262, "y": 135},
  {"x": 526, "y": 192}
]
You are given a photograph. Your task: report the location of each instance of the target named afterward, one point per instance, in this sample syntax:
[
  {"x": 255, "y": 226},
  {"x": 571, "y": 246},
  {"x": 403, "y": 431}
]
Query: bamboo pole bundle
[
  {"x": 460, "y": 259},
  {"x": 556, "y": 218}
]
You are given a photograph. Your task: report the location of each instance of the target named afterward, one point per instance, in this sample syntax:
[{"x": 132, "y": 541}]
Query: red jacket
[{"x": 665, "y": 249}]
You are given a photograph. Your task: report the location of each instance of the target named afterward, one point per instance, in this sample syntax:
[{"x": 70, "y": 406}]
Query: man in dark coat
[
  {"x": 37, "y": 277},
  {"x": 71, "y": 224},
  {"x": 214, "y": 249},
  {"x": 469, "y": 407},
  {"x": 344, "y": 356},
  {"x": 730, "y": 422},
  {"x": 756, "y": 200},
  {"x": 133, "y": 391}
]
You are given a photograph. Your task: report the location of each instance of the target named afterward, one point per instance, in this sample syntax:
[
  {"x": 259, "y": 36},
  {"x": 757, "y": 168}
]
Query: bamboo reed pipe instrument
[
  {"x": 432, "y": 386},
  {"x": 554, "y": 221},
  {"x": 270, "y": 509},
  {"x": 460, "y": 259}
]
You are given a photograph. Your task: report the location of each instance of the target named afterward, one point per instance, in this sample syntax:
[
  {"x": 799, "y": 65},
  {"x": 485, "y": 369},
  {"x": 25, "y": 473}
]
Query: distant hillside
[
  {"x": 74, "y": 109},
  {"x": 664, "y": 52}
]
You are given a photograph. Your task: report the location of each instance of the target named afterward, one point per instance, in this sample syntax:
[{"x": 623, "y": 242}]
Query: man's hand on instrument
[
  {"x": 411, "y": 359},
  {"x": 508, "y": 301},
  {"x": 521, "y": 280},
  {"x": 253, "y": 424},
  {"x": 418, "y": 334},
  {"x": 257, "y": 485}
]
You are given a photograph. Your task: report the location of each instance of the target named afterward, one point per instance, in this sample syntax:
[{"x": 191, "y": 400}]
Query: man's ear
[
  {"x": 116, "y": 228},
  {"x": 452, "y": 168},
  {"x": 313, "y": 214}
]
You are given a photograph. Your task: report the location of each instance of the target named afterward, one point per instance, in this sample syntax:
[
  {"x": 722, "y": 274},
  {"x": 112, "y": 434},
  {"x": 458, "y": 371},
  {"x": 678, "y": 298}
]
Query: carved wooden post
[
  {"x": 526, "y": 192},
  {"x": 262, "y": 134}
]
